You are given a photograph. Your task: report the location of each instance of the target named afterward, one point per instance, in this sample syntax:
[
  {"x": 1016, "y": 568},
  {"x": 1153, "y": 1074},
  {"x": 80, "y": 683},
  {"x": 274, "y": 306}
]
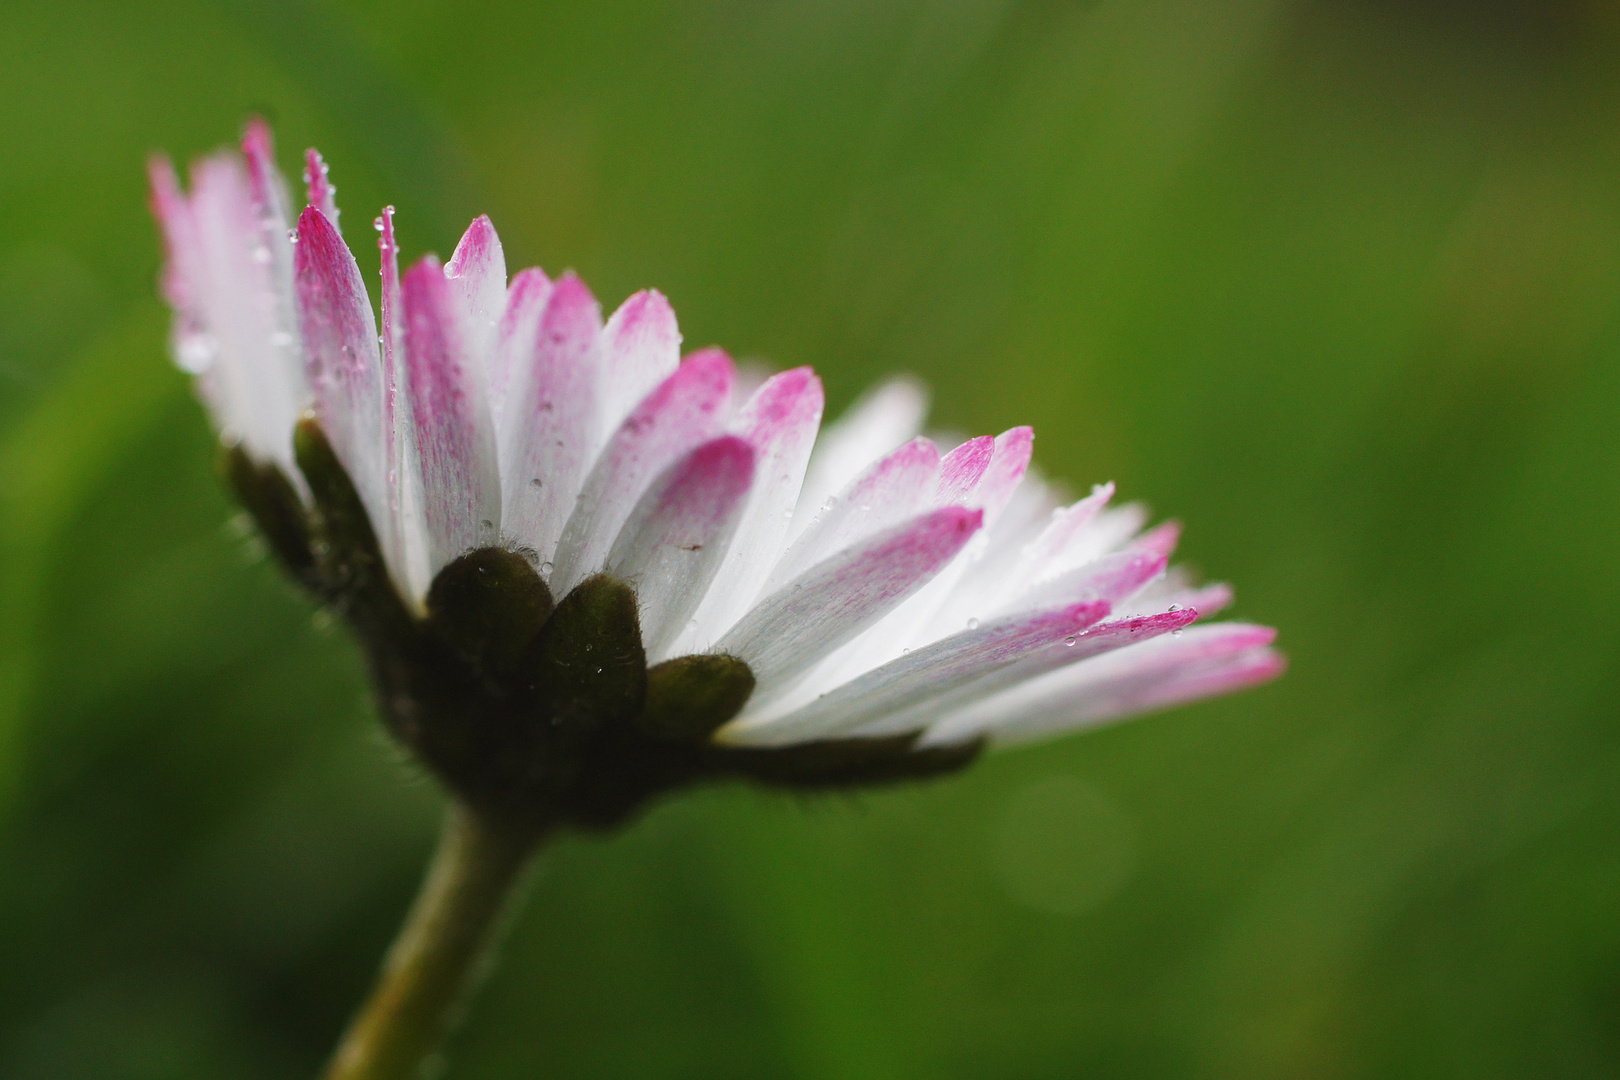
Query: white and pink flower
[{"x": 873, "y": 583}]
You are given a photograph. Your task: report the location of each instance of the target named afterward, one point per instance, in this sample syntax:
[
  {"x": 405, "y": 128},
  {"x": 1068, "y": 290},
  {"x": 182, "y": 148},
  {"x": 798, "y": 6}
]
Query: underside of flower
[
  {"x": 537, "y": 712},
  {"x": 586, "y": 570}
]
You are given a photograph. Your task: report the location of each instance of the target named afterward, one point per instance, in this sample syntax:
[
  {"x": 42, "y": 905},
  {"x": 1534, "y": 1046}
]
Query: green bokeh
[{"x": 1334, "y": 282}]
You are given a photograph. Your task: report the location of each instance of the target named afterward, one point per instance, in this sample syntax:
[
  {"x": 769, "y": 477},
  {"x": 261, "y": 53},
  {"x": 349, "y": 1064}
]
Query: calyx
[{"x": 539, "y": 711}]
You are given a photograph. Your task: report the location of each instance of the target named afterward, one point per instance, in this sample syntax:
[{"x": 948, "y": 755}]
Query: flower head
[{"x": 586, "y": 569}]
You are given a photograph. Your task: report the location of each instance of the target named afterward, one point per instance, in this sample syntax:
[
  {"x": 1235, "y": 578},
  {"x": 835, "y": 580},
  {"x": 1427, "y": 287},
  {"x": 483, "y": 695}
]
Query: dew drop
[
  {"x": 377, "y": 223},
  {"x": 292, "y": 234},
  {"x": 1175, "y": 633},
  {"x": 973, "y": 624},
  {"x": 691, "y": 626},
  {"x": 1069, "y": 641},
  {"x": 547, "y": 567},
  {"x": 196, "y": 352},
  {"x": 1174, "y": 607}
]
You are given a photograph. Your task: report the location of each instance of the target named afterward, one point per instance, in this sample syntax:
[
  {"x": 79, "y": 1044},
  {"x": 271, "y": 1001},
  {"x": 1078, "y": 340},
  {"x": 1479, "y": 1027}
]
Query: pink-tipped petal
[
  {"x": 549, "y": 416},
  {"x": 239, "y": 326},
  {"x": 1195, "y": 684},
  {"x": 834, "y": 601},
  {"x": 892, "y": 489},
  {"x": 477, "y": 272},
  {"x": 318, "y": 187},
  {"x": 404, "y": 465},
  {"x": 1161, "y": 538},
  {"x": 780, "y": 422},
  {"x": 686, "y": 409},
  {"x": 269, "y": 190},
  {"x": 516, "y": 335},
  {"x": 1112, "y": 636},
  {"x": 641, "y": 346},
  {"x": 344, "y": 367},
  {"x": 1199, "y": 662},
  {"x": 885, "y": 416},
  {"x": 913, "y": 678},
  {"x": 961, "y": 470},
  {"x": 1008, "y": 463},
  {"x": 1207, "y": 600},
  {"x": 1050, "y": 552},
  {"x": 1115, "y": 578},
  {"x": 454, "y": 438},
  {"x": 183, "y": 262},
  {"x": 676, "y": 537}
]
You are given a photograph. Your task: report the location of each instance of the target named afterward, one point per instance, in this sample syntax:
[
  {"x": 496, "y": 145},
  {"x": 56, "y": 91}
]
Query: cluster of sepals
[{"x": 537, "y": 711}]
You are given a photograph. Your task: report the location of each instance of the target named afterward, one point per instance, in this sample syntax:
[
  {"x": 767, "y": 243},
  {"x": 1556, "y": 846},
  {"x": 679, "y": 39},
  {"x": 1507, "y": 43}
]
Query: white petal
[
  {"x": 641, "y": 346},
  {"x": 675, "y": 539},
  {"x": 235, "y": 328},
  {"x": 477, "y": 272},
  {"x": 1201, "y": 662},
  {"x": 892, "y": 489},
  {"x": 934, "y": 670},
  {"x": 780, "y": 422},
  {"x": 515, "y": 337},
  {"x": 884, "y": 417},
  {"x": 345, "y": 368},
  {"x": 1107, "y": 637},
  {"x": 686, "y": 409},
  {"x": 834, "y": 601},
  {"x": 550, "y": 416},
  {"x": 454, "y": 434}
]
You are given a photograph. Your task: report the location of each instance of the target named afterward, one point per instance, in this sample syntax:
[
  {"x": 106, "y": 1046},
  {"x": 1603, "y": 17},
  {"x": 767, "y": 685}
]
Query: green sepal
[
  {"x": 587, "y": 667},
  {"x": 349, "y": 560},
  {"x": 838, "y": 763},
  {"x": 345, "y": 526},
  {"x": 488, "y": 605},
  {"x": 270, "y": 499},
  {"x": 690, "y": 697}
]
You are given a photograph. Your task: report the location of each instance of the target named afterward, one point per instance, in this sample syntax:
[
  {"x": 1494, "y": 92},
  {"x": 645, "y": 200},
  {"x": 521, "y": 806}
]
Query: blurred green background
[{"x": 1334, "y": 281}]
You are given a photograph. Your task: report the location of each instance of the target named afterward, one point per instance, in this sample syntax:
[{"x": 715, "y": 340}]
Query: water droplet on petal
[
  {"x": 196, "y": 352},
  {"x": 1069, "y": 640},
  {"x": 547, "y": 567},
  {"x": 1174, "y": 607},
  {"x": 973, "y": 624}
]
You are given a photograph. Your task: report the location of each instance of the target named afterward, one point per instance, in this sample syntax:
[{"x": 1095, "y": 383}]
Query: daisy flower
[
  {"x": 490, "y": 454},
  {"x": 586, "y": 570}
]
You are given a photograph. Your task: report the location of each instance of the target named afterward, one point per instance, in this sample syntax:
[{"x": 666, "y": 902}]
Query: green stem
[{"x": 440, "y": 952}]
